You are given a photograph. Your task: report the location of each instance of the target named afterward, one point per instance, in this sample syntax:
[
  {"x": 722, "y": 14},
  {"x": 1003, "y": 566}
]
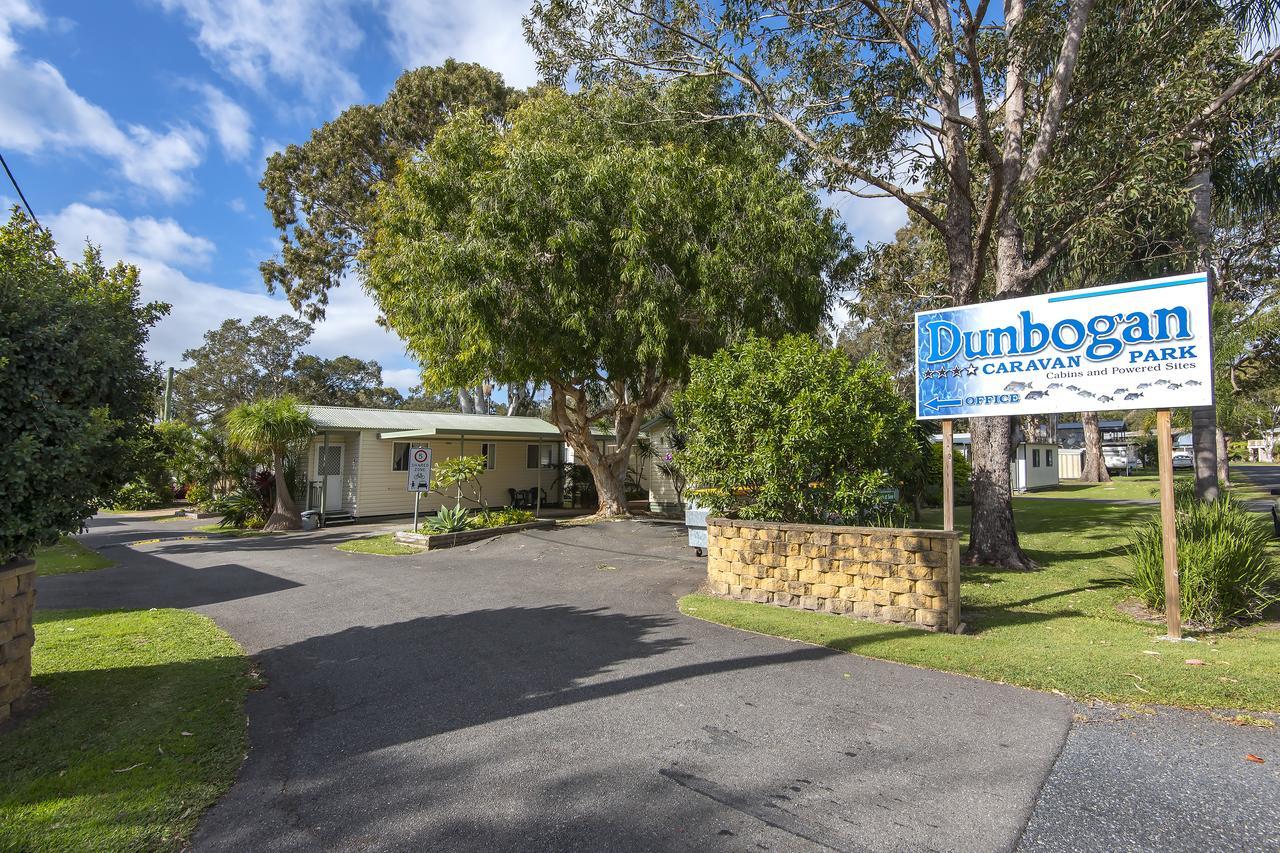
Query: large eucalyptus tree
[{"x": 956, "y": 109}]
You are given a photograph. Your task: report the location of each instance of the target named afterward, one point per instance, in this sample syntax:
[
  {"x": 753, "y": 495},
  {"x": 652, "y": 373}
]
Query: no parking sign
[{"x": 419, "y": 469}]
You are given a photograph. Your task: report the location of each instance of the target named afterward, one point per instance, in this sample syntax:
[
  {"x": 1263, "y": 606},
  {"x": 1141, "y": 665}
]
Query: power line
[{"x": 25, "y": 203}]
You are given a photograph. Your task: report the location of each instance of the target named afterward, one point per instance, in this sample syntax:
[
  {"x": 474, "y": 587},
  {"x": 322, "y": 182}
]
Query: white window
[
  {"x": 489, "y": 451},
  {"x": 544, "y": 455}
]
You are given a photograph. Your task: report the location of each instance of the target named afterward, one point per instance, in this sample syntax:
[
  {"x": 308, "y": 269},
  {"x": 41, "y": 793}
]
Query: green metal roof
[{"x": 393, "y": 420}]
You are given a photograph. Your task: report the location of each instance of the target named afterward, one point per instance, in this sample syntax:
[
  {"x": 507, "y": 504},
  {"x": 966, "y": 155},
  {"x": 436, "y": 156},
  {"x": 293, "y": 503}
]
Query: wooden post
[
  {"x": 949, "y": 523},
  {"x": 948, "y": 478},
  {"x": 1168, "y": 527}
]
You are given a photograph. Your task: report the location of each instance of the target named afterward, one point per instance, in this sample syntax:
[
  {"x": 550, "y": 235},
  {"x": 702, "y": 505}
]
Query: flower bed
[{"x": 436, "y": 541}]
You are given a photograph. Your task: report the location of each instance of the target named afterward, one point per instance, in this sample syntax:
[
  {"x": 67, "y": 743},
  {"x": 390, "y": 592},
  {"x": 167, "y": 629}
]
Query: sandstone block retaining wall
[
  {"x": 907, "y": 577},
  {"x": 17, "y": 600}
]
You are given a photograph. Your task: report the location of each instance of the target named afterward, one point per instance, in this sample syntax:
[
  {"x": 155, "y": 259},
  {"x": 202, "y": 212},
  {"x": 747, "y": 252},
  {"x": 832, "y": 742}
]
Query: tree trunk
[
  {"x": 1093, "y": 468},
  {"x": 285, "y": 515},
  {"x": 608, "y": 467},
  {"x": 1204, "y": 419},
  {"x": 993, "y": 539},
  {"x": 1224, "y": 460}
]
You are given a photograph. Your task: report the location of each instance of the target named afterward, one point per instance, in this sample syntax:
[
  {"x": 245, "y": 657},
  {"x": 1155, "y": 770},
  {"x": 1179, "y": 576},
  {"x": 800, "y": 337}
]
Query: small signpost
[
  {"x": 1137, "y": 345},
  {"x": 419, "y": 477}
]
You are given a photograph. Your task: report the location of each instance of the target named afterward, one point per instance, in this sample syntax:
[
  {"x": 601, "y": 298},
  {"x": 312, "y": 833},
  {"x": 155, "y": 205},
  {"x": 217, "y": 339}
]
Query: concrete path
[{"x": 541, "y": 691}]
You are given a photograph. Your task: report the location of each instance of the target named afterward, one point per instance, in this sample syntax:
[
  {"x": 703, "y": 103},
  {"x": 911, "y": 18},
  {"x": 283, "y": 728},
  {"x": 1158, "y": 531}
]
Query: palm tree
[{"x": 268, "y": 427}]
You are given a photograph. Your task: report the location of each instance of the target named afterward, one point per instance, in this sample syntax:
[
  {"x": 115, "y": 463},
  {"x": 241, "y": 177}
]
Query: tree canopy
[
  {"x": 591, "y": 248},
  {"x": 321, "y": 193},
  {"x": 240, "y": 362},
  {"x": 75, "y": 386}
]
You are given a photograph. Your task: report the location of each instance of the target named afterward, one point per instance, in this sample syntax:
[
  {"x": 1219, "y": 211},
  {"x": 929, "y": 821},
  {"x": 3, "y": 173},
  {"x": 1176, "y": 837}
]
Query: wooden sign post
[
  {"x": 1168, "y": 527},
  {"x": 948, "y": 479}
]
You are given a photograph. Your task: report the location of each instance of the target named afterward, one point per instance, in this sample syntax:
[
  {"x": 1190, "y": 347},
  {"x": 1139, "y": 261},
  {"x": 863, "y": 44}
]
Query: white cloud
[
  {"x": 39, "y": 112},
  {"x": 229, "y": 121},
  {"x": 489, "y": 32},
  {"x": 303, "y": 42},
  {"x": 164, "y": 251},
  {"x": 869, "y": 220}
]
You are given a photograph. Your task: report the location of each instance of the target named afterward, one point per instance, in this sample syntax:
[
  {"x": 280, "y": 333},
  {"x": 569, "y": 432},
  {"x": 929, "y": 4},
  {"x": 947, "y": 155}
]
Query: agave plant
[{"x": 447, "y": 520}]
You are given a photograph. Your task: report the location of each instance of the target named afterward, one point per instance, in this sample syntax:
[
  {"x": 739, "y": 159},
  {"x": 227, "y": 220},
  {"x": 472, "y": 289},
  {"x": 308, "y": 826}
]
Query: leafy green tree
[
  {"x": 240, "y": 362},
  {"x": 793, "y": 431},
  {"x": 962, "y": 113},
  {"x": 270, "y": 427},
  {"x": 342, "y": 381},
  {"x": 75, "y": 387},
  {"x": 322, "y": 194},
  {"x": 595, "y": 251}
]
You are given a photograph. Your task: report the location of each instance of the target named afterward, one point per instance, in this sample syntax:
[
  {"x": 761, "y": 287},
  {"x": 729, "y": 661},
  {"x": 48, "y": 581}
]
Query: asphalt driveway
[{"x": 540, "y": 691}]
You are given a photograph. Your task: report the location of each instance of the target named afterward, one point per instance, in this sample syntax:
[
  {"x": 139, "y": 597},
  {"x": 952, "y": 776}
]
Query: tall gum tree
[
  {"x": 595, "y": 250},
  {"x": 952, "y": 108}
]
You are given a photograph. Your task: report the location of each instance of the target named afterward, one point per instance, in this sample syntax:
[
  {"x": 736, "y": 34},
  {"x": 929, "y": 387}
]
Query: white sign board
[
  {"x": 419, "y": 469},
  {"x": 1138, "y": 345}
]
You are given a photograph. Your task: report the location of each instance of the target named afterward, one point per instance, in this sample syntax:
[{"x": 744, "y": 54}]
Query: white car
[{"x": 1183, "y": 459}]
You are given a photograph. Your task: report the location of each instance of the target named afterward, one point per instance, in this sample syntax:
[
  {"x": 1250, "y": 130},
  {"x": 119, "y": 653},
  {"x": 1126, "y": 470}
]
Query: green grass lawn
[
  {"x": 384, "y": 545},
  {"x": 1137, "y": 487},
  {"x": 235, "y": 531},
  {"x": 68, "y": 556},
  {"x": 1056, "y": 629},
  {"x": 143, "y": 728}
]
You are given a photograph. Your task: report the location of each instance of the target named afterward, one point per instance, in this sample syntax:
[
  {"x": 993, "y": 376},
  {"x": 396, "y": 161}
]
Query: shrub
[
  {"x": 137, "y": 495},
  {"x": 75, "y": 387},
  {"x": 499, "y": 518},
  {"x": 793, "y": 431},
  {"x": 242, "y": 508},
  {"x": 1224, "y": 567},
  {"x": 962, "y": 471},
  {"x": 446, "y": 520},
  {"x": 199, "y": 495}
]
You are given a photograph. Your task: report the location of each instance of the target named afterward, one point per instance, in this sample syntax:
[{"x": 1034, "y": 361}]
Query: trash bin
[{"x": 310, "y": 520}]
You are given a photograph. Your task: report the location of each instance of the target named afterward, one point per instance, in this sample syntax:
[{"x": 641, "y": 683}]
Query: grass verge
[
  {"x": 68, "y": 556},
  {"x": 1136, "y": 487},
  {"x": 143, "y": 727},
  {"x": 1056, "y": 629},
  {"x": 384, "y": 545},
  {"x": 234, "y": 531}
]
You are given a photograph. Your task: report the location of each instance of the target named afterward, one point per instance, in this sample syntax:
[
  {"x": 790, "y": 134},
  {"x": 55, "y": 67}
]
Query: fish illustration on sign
[
  {"x": 1174, "y": 386},
  {"x": 1162, "y": 381},
  {"x": 1072, "y": 388},
  {"x": 1086, "y": 394},
  {"x": 1054, "y": 386},
  {"x": 1144, "y": 385},
  {"x": 1036, "y": 395},
  {"x": 1120, "y": 391},
  {"x": 1105, "y": 399},
  {"x": 1017, "y": 386},
  {"x": 1192, "y": 382},
  {"x": 1132, "y": 396}
]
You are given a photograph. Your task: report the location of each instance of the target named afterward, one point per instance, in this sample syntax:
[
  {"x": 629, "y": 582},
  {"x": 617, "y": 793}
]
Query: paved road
[{"x": 541, "y": 691}]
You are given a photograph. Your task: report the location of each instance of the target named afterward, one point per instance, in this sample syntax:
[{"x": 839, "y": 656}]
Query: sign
[
  {"x": 1138, "y": 345},
  {"x": 419, "y": 469}
]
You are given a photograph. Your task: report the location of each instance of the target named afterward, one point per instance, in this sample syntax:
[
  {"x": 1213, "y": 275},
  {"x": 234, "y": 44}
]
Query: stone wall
[
  {"x": 906, "y": 577},
  {"x": 17, "y": 599}
]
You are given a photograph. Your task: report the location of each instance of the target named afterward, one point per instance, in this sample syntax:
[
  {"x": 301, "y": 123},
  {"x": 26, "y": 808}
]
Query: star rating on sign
[{"x": 971, "y": 370}]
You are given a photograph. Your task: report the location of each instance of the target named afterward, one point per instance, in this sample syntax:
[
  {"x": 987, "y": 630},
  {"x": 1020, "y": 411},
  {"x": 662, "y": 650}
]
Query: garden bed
[{"x": 436, "y": 541}]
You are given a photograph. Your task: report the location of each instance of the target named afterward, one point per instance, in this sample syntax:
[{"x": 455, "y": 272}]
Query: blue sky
[{"x": 143, "y": 126}]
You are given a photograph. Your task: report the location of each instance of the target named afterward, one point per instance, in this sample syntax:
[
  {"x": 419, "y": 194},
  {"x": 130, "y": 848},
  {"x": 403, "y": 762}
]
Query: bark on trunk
[
  {"x": 993, "y": 538},
  {"x": 1224, "y": 460},
  {"x": 1204, "y": 419},
  {"x": 285, "y": 515},
  {"x": 1093, "y": 468}
]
